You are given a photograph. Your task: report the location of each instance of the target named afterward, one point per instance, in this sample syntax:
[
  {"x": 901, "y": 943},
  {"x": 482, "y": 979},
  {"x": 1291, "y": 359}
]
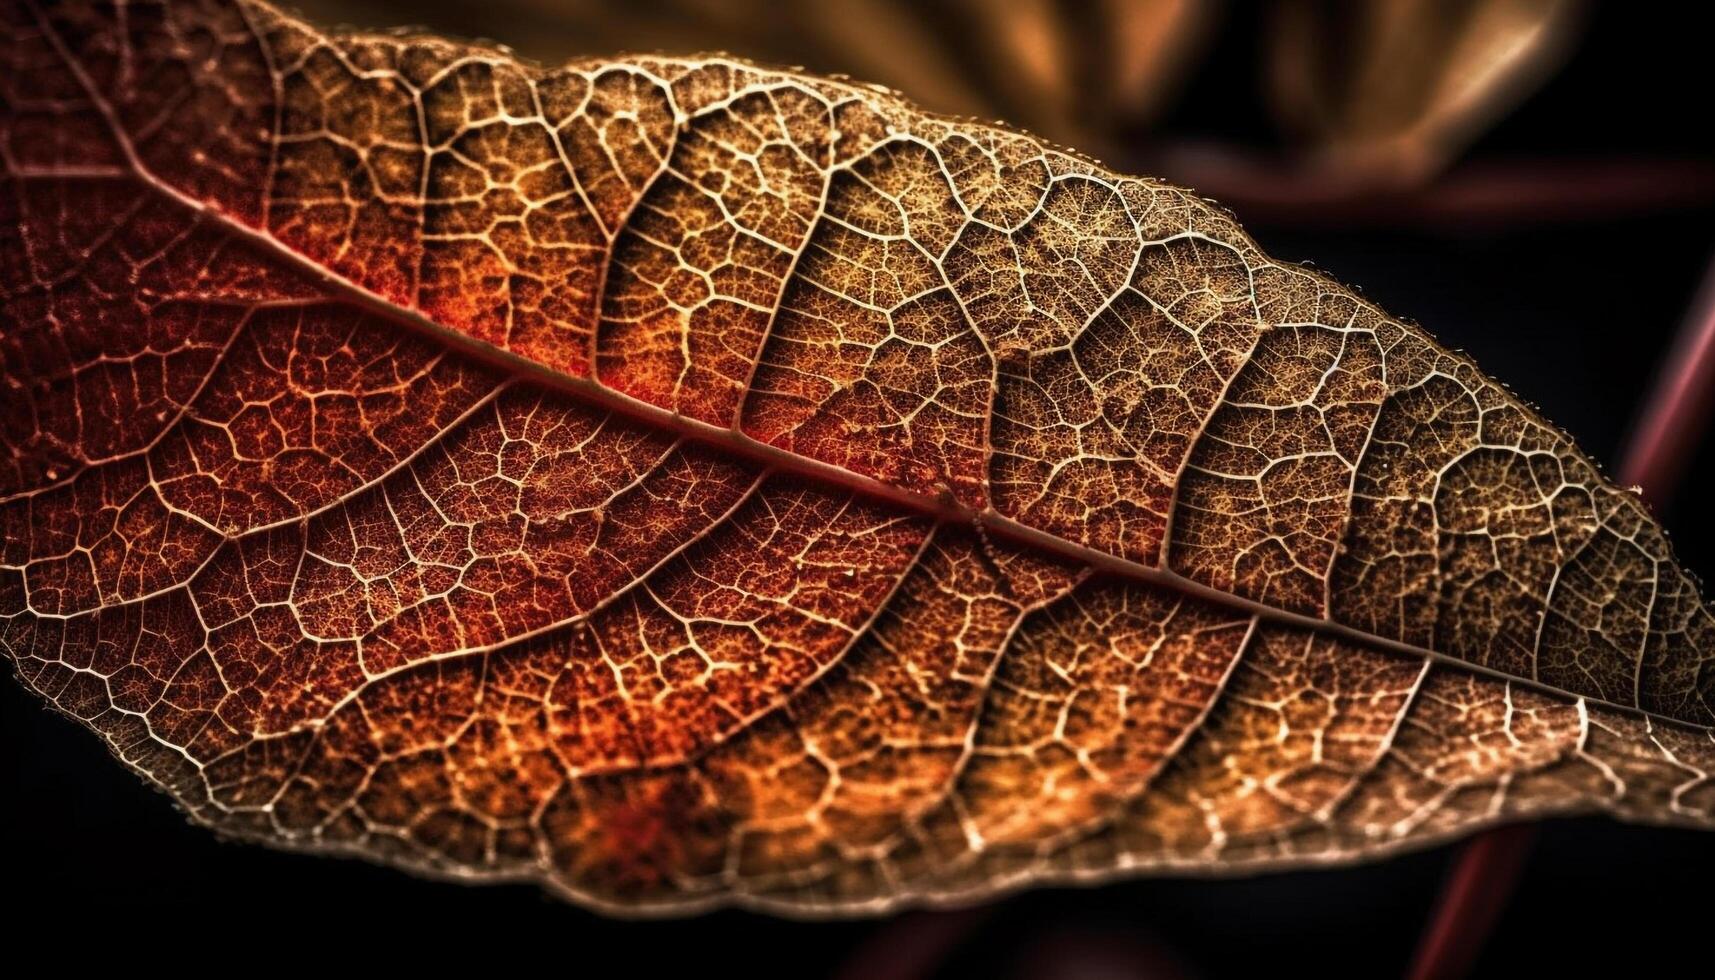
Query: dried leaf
[
  {"x": 1088, "y": 75},
  {"x": 682, "y": 483}
]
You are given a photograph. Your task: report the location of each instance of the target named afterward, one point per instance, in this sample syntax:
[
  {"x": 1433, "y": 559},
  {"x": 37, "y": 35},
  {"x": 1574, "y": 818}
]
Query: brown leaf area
[{"x": 681, "y": 483}]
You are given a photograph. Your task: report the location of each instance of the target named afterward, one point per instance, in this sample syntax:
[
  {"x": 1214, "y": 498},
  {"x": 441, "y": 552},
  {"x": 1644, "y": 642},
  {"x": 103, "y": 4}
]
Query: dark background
[{"x": 1576, "y": 312}]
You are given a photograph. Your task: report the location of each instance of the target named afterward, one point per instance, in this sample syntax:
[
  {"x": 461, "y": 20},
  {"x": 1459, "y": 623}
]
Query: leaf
[
  {"x": 1392, "y": 92},
  {"x": 679, "y": 482},
  {"x": 1082, "y": 74}
]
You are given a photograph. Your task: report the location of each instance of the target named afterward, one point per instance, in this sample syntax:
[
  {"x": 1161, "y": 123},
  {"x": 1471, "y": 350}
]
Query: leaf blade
[{"x": 449, "y": 551}]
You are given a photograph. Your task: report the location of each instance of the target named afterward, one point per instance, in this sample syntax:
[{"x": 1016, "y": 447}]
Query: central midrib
[{"x": 943, "y": 510}]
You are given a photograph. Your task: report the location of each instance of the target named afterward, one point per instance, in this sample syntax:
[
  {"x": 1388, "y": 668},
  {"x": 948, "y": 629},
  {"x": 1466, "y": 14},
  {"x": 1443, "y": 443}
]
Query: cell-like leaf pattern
[{"x": 680, "y": 482}]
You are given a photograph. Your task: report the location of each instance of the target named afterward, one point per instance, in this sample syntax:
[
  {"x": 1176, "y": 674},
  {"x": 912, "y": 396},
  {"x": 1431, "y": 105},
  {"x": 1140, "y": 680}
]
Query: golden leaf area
[{"x": 681, "y": 483}]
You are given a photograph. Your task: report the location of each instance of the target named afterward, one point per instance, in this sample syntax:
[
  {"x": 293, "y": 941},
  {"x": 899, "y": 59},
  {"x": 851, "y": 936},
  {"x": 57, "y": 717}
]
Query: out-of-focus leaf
[{"x": 1391, "y": 91}]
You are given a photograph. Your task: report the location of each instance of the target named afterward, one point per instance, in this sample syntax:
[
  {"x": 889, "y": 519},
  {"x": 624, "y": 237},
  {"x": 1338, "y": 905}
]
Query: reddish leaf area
[{"x": 681, "y": 482}]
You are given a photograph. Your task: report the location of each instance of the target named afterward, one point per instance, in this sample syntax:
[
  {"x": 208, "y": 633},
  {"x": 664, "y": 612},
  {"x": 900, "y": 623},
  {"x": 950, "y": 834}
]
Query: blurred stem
[
  {"x": 1483, "y": 878},
  {"x": 1677, "y": 412},
  {"x": 1487, "y": 869}
]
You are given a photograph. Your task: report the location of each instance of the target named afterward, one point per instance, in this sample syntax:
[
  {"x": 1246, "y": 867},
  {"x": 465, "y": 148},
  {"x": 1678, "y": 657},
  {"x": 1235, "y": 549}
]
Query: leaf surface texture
[{"x": 681, "y": 482}]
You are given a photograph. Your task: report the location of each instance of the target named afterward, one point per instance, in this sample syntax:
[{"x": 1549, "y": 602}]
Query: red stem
[
  {"x": 1487, "y": 870},
  {"x": 1482, "y": 880},
  {"x": 1678, "y": 409}
]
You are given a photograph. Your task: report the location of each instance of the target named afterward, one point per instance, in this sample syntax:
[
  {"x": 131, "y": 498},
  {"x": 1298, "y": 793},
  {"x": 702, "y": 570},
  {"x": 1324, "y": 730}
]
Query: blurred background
[{"x": 1533, "y": 180}]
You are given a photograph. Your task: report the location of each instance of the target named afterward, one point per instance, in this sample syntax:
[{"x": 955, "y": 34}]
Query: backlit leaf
[{"x": 680, "y": 482}]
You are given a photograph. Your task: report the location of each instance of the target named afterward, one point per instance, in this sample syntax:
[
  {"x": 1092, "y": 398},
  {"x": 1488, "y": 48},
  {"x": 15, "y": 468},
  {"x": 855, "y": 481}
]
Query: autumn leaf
[
  {"x": 680, "y": 482},
  {"x": 1084, "y": 74}
]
